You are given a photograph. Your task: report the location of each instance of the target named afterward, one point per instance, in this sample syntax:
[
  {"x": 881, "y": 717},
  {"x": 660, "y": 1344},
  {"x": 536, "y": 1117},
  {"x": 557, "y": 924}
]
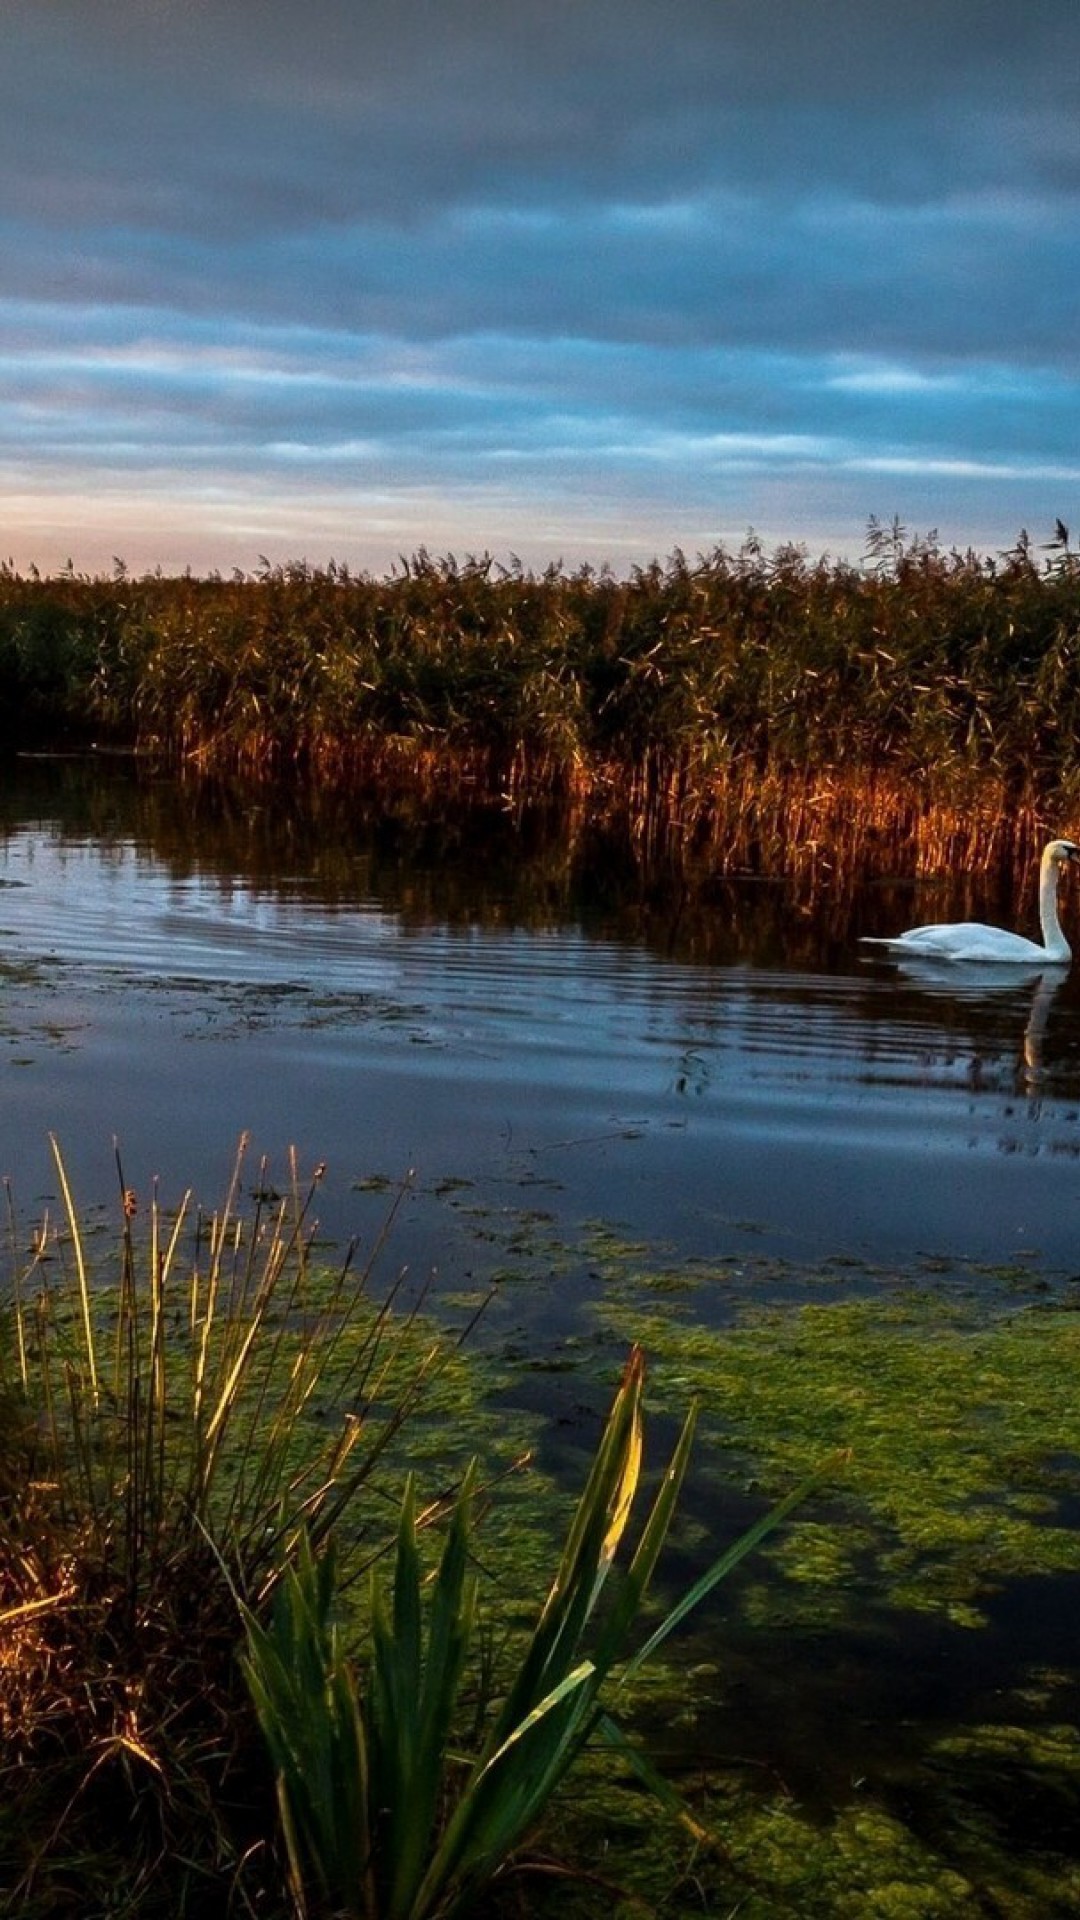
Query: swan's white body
[{"x": 969, "y": 940}]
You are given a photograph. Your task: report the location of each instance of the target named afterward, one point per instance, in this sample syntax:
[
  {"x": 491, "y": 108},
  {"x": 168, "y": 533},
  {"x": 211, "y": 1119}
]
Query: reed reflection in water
[
  {"x": 570, "y": 1050},
  {"x": 500, "y": 1010}
]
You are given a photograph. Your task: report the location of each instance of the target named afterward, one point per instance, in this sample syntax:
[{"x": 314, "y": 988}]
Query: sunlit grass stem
[{"x": 159, "y": 1458}]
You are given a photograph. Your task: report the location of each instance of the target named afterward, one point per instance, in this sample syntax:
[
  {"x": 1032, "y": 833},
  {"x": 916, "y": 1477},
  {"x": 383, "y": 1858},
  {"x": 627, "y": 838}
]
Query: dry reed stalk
[{"x": 157, "y": 1459}]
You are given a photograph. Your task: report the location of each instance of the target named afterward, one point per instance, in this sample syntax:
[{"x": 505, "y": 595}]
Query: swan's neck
[{"x": 1053, "y": 939}]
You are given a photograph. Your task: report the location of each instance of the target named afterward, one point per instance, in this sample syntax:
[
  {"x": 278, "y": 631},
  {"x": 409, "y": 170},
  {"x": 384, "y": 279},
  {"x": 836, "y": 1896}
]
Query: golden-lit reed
[
  {"x": 162, "y": 1452},
  {"x": 745, "y": 702}
]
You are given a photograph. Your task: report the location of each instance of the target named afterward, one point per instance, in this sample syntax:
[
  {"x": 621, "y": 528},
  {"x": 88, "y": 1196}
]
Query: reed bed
[{"x": 755, "y": 705}]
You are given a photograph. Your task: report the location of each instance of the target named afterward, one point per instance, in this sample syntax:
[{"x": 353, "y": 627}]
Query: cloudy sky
[{"x": 571, "y": 279}]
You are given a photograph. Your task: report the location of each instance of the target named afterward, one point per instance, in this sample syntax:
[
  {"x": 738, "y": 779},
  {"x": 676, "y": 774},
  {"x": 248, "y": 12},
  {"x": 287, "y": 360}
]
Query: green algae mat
[{"x": 879, "y": 1717}]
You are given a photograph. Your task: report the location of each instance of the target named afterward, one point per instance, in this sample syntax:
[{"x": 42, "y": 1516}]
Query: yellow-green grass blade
[
  {"x": 391, "y": 1704},
  {"x": 415, "y": 1684},
  {"x": 80, "y": 1266},
  {"x": 727, "y": 1561},
  {"x": 635, "y": 1584},
  {"x": 306, "y": 1704},
  {"x": 595, "y": 1530},
  {"x": 505, "y": 1795},
  {"x": 658, "y": 1786}
]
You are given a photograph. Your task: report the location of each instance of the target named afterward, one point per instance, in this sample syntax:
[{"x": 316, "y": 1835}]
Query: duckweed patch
[
  {"x": 985, "y": 1825},
  {"x": 769, "y": 1861},
  {"x": 947, "y": 1785},
  {"x": 964, "y": 1432}
]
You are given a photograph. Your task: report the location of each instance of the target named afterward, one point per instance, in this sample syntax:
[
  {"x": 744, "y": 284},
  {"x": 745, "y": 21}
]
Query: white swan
[{"x": 969, "y": 940}]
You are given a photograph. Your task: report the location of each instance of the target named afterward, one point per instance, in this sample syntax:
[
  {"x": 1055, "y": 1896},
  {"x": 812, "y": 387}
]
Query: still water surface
[
  {"x": 477, "y": 1016},
  {"x": 557, "y": 1050}
]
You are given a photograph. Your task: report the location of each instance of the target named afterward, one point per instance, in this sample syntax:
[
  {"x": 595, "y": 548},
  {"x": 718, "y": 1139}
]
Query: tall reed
[
  {"x": 163, "y": 1451},
  {"x": 669, "y": 696}
]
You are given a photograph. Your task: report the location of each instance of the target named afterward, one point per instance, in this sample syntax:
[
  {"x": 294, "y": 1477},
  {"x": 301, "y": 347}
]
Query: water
[
  {"x": 388, "y": 1003},
  {"x": 555, "y": 1047}
]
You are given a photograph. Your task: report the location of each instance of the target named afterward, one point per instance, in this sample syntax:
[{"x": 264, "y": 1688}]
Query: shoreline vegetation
[
  {"x": 755, "y": 710},
  {"x": 188, "y": 1413},
  {"x": 217, "y": 1522}
]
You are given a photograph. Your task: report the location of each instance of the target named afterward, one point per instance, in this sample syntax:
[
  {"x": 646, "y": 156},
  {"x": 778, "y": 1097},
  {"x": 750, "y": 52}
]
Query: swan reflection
[
  {"x": 1033, "y": 992},
  {"x": 1046, "y": 992}
]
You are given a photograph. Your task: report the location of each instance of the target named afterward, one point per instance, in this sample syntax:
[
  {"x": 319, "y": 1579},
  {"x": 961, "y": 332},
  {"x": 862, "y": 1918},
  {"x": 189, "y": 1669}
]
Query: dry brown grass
[{"x": 162, "y": 1456}]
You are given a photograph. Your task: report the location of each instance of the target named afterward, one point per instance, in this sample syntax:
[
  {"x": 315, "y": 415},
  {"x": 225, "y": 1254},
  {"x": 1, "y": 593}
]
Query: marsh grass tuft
[
  {"x": 387, "y": 1812},
  {"x": 171, "y": 1431}
]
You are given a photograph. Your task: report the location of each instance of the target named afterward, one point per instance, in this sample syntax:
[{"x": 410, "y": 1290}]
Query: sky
[{"x": 566, "y": 280}]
